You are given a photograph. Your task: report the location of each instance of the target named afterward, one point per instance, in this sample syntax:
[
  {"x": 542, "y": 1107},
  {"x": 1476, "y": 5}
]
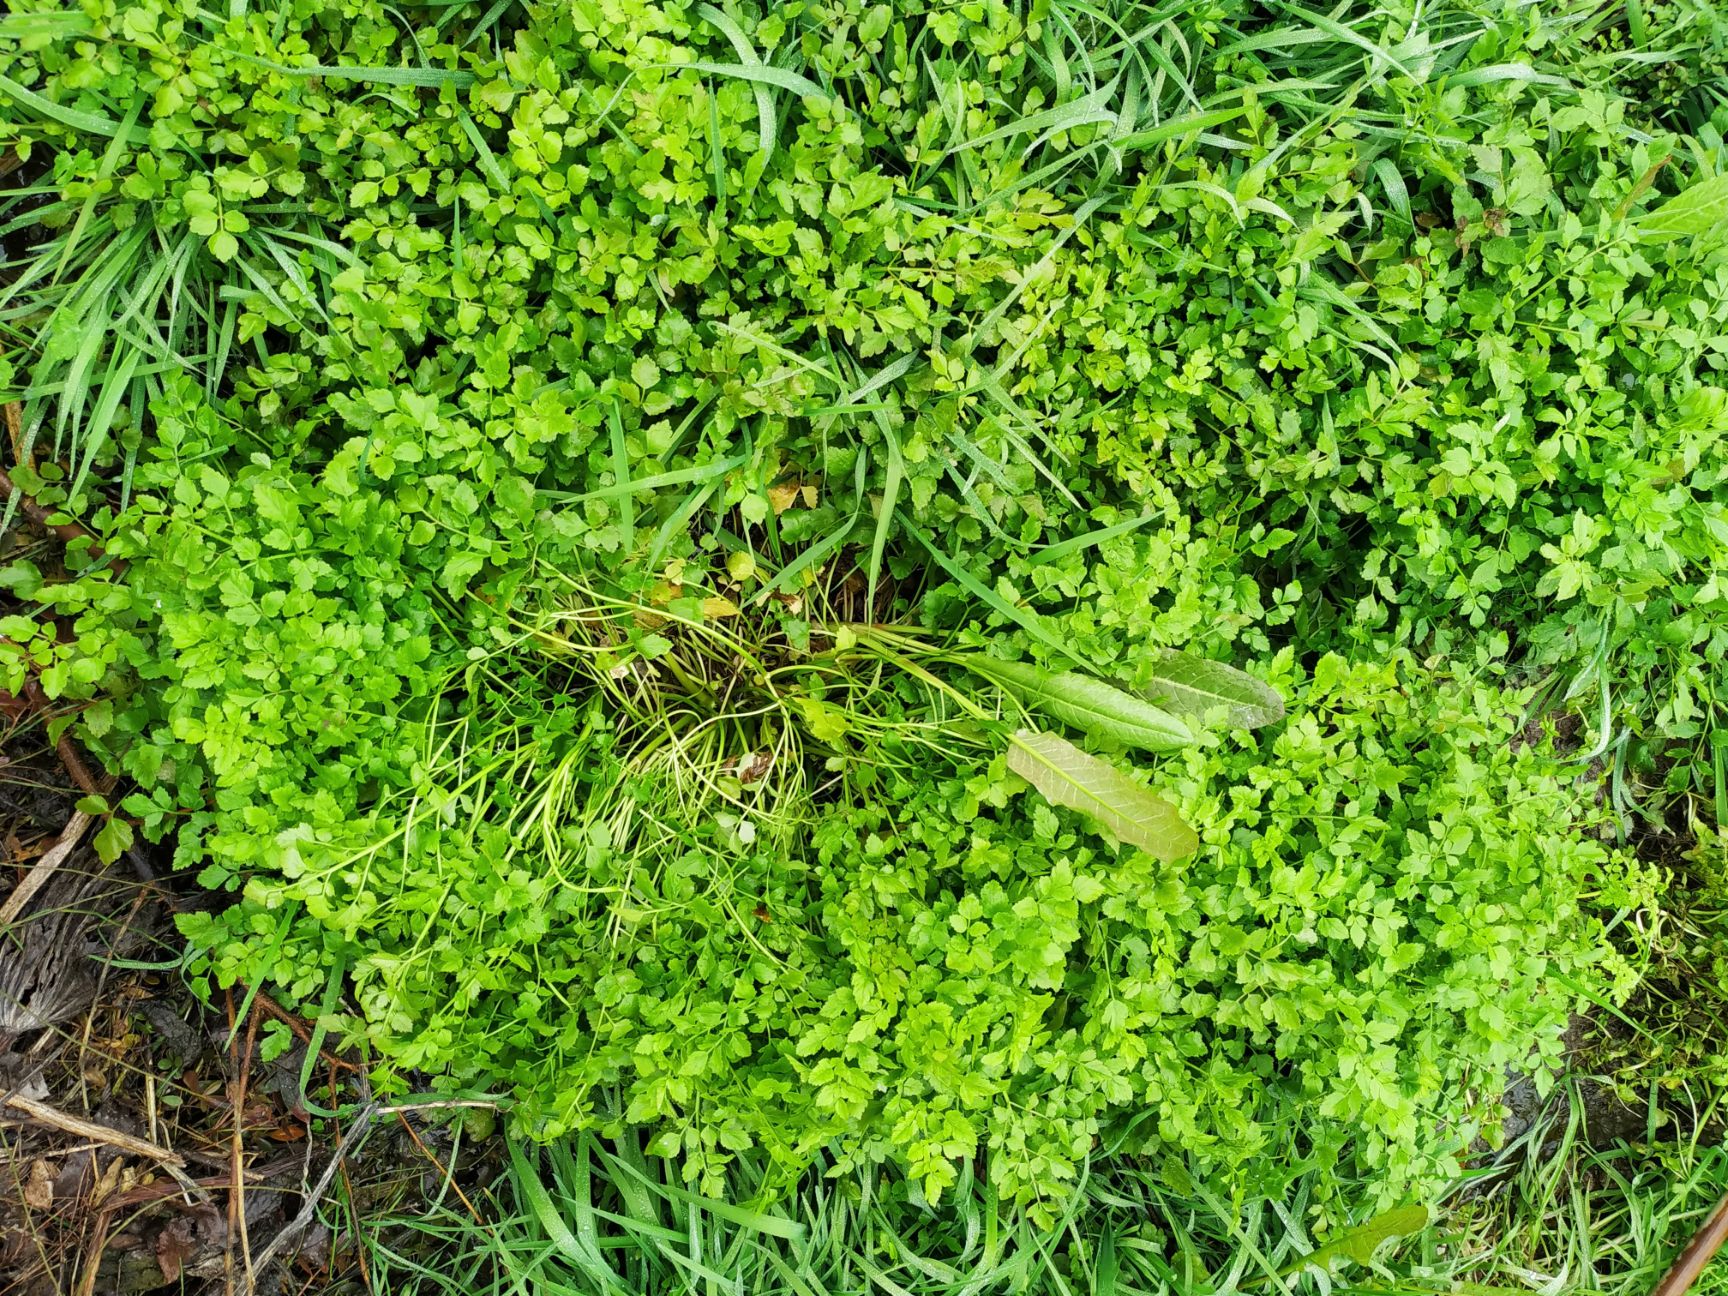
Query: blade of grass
[
  {"x": 420, "y": 77},
  {"x": 89, "y": 123}
]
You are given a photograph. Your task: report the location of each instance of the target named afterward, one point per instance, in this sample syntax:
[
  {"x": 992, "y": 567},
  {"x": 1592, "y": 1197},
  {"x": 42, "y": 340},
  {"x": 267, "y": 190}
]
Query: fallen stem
[
  {"x": 65, "y": 531},
  {"x": 448, "y": 1175},
  {"x": 1705, "y": 1243},
  {"x": 43, "y": 1114},
  {"x": 44, "y": 868},
  {"x": 200, "y": 1187},
  {"x": 298, "y": 1028}
]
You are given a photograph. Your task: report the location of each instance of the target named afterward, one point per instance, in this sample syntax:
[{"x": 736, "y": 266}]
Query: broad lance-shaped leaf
[
  {"x": 1066, "y": 776},
  {"x": 1361, "y": 1242},
  {"x": 1100, "y": 709},
  {"x": 1198, "y": 686},
  {"x": 1697, "y": 210}
]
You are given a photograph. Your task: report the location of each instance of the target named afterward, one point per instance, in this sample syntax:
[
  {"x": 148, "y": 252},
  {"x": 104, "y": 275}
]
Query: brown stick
[
  {"x": 235, "y": 1165},
  {"x": 449, "y": 1175},
  {"x": 43, "y": 1114},
  {"x": 237, "y": 1198},
  {"x": 154, "y": 1192},
  {"x": 44, "y": 868},
  {"x": 15, "y": 431},
  {"x": 348, "y": 1191},
  {"x": 1705, "y": 1243},
  {"x": 77, "y": 770},
  {"x": 65, "y": 531},
  {"x": 300, "y": 1030},
  {"x": 93, "y": 1260},
  {"x": 36, "y": 699},
  {"x": 355, "y": 1225}
]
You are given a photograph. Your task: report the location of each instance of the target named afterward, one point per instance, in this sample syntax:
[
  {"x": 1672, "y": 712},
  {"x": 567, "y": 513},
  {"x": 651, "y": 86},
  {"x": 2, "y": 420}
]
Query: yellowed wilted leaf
[
  {"x": 1067, "y": 776},
  {"x": 788, "y": 494},
  {"x": 715, "y": 607}
]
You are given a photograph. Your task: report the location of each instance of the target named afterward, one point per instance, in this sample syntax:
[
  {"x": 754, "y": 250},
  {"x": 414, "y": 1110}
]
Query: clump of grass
[
  {"x": 602, "y": 1218},
  {"x": 1556, "y": 1212},
  {"x": 103, "y": 303},
  {"x": 1550, "y": 1213}
]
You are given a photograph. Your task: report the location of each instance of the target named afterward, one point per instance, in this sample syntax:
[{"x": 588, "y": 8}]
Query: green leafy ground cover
[{"x": 645, "y": 543}]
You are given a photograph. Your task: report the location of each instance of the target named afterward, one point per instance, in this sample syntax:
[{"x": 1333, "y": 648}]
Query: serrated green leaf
[
  {"x": 1099, "y": 709},
  {"x": 1066, "y": 776},
  {"x": 1197, "y": 686},
  {"x": 113, "y": 840}
]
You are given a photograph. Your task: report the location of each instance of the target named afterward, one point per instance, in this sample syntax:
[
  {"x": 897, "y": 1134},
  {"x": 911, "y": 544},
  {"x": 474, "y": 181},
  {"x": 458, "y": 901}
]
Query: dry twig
[
  {"x": 1690, "y": 1263},
  {"x": 43, "y": 1114},
  {"x": 448, "y": 1175},
  {"x": 237, "y": 1172},
  {"x": 44, "y": 868},
  {"x": 14, "y": 417}
]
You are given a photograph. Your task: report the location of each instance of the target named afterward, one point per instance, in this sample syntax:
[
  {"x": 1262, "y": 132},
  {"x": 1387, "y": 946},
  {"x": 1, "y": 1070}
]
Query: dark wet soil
[
  {"x": 17, "y": 205},
  {"x": 153, "y": 1143}
]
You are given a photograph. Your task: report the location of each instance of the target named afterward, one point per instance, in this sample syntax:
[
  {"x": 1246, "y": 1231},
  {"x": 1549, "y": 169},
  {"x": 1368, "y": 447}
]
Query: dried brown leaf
[
  {"x": 39, "y": 1186},
  {"x": 754, "y": 767},
  {"x": 109, "y": 1183},
  {"x": 175, "y": 1245}
]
